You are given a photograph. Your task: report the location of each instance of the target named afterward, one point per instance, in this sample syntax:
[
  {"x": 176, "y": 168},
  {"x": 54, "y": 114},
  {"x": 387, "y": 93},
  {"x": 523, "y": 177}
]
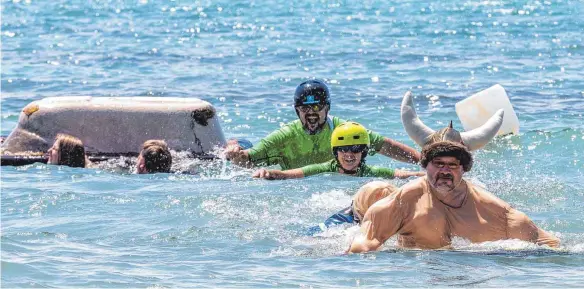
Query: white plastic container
[
  {"x": 117, "y": 125},
  {"x": 475, "y": 110}
]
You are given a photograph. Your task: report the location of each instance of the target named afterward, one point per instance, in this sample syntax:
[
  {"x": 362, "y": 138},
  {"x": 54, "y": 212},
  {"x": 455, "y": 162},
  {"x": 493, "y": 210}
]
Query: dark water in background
[{"x": 97, "y": 228}]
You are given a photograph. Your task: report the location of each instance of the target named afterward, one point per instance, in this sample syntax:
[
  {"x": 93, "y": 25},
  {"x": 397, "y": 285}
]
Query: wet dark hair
[
  {"x": 447, "y": 149},
  {"x": 71, "y": 151},
  {"x": 157, "y": 158}
]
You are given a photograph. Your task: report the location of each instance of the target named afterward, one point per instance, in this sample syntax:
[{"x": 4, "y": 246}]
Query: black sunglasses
[
  {"x": 313, "y": 107},
  {"x": 352, "y": 148}
]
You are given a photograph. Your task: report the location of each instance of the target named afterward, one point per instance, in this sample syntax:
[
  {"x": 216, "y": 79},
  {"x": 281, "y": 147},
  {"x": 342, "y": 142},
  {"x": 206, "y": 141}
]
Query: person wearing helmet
[
  {"x": 350, "y": 145},
  {"x": 306, "y": 140},
  {"x": 312, "y": 102}
]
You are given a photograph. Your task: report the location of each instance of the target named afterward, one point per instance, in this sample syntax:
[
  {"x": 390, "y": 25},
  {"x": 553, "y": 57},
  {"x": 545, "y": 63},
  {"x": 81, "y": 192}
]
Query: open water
[{"x": 64, "y": 227}]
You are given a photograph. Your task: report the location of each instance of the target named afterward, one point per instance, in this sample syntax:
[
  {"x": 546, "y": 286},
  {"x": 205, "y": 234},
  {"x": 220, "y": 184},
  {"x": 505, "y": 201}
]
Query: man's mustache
[{"x": 444, "y": 176}]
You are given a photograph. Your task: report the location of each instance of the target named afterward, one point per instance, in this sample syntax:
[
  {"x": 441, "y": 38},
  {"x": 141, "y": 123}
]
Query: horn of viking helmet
[
  {"x": 423, "y": 135},
  {"x": 480, "y": 136}
]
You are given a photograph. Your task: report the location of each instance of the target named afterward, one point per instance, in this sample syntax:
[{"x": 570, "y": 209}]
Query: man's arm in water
[
  {"x": 363, "y": 244},
  {"x": 399, "y": 151},
  {"x": 402, "y": 174},
  {"x": 302, "y": 172},
  {"x": 522, "y": 228},
  {"x": 381, "y": 221},
  {"x": 278, "y": 174},
  {"x": 266, "y": 152}
]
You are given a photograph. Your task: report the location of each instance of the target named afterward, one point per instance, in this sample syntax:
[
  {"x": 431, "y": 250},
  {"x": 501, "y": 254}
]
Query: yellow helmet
[{"x": 348, "y": 134}]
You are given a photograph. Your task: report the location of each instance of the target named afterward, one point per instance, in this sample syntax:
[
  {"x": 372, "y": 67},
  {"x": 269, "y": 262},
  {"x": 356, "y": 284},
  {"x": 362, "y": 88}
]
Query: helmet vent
[
  {"x": 356, "y": 137},
  {"x": 341, "y": 138}
]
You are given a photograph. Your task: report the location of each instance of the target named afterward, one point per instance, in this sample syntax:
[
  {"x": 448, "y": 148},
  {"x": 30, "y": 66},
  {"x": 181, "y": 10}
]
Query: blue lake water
[{"x": 221, "y": 228}]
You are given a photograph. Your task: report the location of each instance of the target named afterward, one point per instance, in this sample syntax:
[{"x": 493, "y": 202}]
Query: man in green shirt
[
  {"x": 307, "y": 140},
  {"x": 350, "y": 144}
]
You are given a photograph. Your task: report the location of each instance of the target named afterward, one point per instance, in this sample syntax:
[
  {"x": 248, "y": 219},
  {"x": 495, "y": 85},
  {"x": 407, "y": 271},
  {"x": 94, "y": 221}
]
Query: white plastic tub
[
  {"x": 475, "y": 110},
  {"x": 117, "y": 125}
]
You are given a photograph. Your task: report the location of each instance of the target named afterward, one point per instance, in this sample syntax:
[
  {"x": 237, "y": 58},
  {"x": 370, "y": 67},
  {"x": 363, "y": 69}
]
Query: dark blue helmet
[{"x": 312, "y": 92}]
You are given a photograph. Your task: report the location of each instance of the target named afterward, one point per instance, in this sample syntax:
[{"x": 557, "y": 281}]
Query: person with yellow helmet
[
  {"x": 350, "y": 145},
  {"x": 306, "y": 140}
]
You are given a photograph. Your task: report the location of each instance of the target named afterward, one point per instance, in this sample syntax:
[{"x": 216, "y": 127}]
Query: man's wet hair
[
  {"x": 157, "y": 157},
  {"x": 71, "y": 151},
  {"x": 447, "y": 149},
  {"x": 152, "y": 142}
]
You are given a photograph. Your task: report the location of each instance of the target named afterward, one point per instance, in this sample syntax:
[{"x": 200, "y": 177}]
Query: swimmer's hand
[
  {"x": 232, "y": 150},
  {"x": 236, "y": 154},
  {"x": 263, "y": 174}
]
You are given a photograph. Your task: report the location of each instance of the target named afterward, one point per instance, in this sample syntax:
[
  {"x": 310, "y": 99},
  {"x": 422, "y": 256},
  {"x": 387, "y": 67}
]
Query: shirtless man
[{"x": 429, "y": 211}]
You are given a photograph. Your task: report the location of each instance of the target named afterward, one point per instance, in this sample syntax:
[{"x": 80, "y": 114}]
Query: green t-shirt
[
  {"x": 291, "y": 147},
  {"x": 332, "y": 166}
]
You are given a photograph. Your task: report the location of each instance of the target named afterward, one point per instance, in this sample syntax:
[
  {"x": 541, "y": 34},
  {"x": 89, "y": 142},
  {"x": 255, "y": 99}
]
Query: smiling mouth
[
  {"x": 350, "y": 161},
  {"x": 312, "y": 119}
]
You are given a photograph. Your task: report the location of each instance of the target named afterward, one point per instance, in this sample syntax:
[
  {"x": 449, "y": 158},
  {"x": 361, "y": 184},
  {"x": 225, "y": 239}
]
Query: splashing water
[{"x": 211, "y": 224}]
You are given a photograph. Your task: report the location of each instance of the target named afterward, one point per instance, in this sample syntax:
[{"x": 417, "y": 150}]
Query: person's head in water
[
  {"x": 368, "y": 195},
  {"x": 67, "y": 151},
  {"x": 312, "y": 104},
  {"x": 445, "y": 163},
  {"x": 154, "y": 158},
  {"x": 350, "y": 145},
  {"x": 154, "y": 142}
]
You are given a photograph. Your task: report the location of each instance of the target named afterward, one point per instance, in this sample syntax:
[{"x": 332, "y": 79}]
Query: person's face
[
  {"x": 53, "y": 154},
  {"x": 349, "y": 160},
  {"x": 141, "y": 165},
  {"x": 444, "y": 173},
  {"x": 313, "y": 117}
]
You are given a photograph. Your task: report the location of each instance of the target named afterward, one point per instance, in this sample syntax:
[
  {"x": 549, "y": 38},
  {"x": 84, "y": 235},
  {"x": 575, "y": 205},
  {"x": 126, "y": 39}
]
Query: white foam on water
[{"x": 331, "y": 200}]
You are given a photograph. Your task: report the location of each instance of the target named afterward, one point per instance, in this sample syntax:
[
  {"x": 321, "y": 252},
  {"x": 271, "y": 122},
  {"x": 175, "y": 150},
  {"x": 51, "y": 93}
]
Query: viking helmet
[{"x": 423, "y": 135}]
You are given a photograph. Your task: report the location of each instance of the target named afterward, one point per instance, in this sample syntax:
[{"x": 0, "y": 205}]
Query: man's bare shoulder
[
  {"x": 413, "y": 190},
  {"x": 408, "y": 192},
  {"x": 486, "y": 197}
]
